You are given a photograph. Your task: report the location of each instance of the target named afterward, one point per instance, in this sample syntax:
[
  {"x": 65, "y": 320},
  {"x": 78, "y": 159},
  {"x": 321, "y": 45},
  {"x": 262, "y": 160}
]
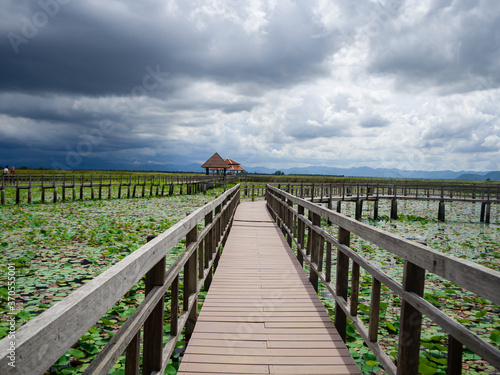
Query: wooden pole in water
[
  {"x": 359, "y": 208},
  {"x": 394, "y": 209},
  {"x": 30, "y": 193},
  {"x": 54, "y": 186},
  {"x": 109, "y": 188},
  {"x": 2, "y": 193},
  {"x": 441, "y": 210},
  {"x": 100, "y": 187},
  {"x": 64, "y": 188},
  {"x": 43, "y": 191},
  {"x": 81, "y": 188},
  {"x": 483, "y": 209},
  {"x": 74, "y": 189}
]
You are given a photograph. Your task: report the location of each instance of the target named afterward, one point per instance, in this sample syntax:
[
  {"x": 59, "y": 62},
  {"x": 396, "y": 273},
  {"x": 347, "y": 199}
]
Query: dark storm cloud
[
  {"x": 104, "y": 50},
  {"x": 126, "y": 83},
  {"x": 454, "y": 45}
]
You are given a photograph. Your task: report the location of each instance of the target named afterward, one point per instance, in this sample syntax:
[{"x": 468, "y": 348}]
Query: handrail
[
  {"x": 43, "y": 340},
  {"x": 489, "y": 192},
  {"x": 418, "y": 259}
]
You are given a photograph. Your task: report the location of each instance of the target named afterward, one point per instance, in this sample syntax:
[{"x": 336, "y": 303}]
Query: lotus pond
[
  {"x": 461, "y": 235},
  {"x": 55, "y": 248}
]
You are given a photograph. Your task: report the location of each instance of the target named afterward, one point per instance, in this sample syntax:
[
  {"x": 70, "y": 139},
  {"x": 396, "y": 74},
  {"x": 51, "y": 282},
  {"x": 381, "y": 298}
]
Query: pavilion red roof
[{"x": 231, "y": 161}]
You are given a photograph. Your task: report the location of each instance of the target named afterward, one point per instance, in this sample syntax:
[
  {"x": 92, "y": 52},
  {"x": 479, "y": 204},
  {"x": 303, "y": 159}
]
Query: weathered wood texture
[
  {"x": 418, "y": 258},
  {"x": 261, "y": 314},
  {"x": 43, "y": 340}
]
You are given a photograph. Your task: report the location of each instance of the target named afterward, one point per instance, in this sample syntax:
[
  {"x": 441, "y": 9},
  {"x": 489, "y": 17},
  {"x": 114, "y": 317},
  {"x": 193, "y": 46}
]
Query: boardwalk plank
[{"x": 261, "y": 314}]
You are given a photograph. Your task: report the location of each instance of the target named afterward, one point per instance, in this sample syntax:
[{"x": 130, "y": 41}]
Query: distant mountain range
[
  {"x": 356, "y": 172},
  {"x": 314, "y": 170},
  {"x": 492, "y": 176}
]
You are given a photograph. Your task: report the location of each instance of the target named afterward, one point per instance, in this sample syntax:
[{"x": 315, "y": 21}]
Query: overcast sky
[{"x": 279, "y": 83}]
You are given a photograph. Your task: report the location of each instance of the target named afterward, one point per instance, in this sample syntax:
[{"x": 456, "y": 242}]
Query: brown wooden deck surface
[{"x": 261, "y": 314}]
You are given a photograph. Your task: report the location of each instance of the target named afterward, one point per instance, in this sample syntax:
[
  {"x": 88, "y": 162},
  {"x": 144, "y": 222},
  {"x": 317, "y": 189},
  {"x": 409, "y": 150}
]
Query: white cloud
[{"x": 412, "y": 85}]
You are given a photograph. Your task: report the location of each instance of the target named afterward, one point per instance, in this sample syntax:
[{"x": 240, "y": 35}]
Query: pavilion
[
  {"x": 215, "y": 163},
  {"x": 234, "y": 166}
]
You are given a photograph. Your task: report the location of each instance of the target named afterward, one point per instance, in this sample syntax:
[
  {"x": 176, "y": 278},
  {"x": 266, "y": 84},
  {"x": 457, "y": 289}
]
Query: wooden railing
[
  {"x": 488, "y": 192},
  {"x": 43, "y": 340},
  {"x": 317, "y": 247},
  {"x": 100, "y": 186},
  {"x": 255, "y": 191}
]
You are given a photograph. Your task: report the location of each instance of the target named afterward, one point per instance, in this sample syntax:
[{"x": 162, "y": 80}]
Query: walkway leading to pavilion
[{"x": 261, "y": 314}]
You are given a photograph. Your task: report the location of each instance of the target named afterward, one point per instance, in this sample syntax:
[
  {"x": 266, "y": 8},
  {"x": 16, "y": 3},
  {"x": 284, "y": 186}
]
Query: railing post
[
  {"x": 191, "y": 283},
  {"x": 374, "y": 310},
  {"x": 174, "y": 307},
  {"x": 282, "y": 214},
  {"x": 410, "y": 322},
  {"x": 354, "y": 289},
  {"x": 328, "y": 266},
  {"x": 455, "y": 349},
  {"x": 289, "y": 221},
  {"x": 300, "y": 235},
  {"x": 310, "y": 234},
  {"x": 217, "y": 235},
  {"x": 315, "y": 251},
  {"x": 344, "y": 238},
  {"x": 153, "y": 327}
]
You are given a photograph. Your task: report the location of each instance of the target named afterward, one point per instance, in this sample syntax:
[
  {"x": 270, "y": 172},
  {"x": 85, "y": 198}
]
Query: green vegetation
[
  {"x": 56, "y": 248},
  {"x": 461, "y": 236}
]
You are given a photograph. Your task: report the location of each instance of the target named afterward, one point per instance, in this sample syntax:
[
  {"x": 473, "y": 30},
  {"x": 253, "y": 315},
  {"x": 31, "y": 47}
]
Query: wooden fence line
[
  {"x": 418, "y": 259},
  {"x": 351, "y": 191},
  {"x": 134, "y": 185},
  {"x": 43, "y": 340},
  {"x": 338, "y": 192}
]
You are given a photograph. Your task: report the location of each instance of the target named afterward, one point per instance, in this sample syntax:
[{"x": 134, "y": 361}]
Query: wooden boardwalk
[{"x": 261, "y": 314}]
